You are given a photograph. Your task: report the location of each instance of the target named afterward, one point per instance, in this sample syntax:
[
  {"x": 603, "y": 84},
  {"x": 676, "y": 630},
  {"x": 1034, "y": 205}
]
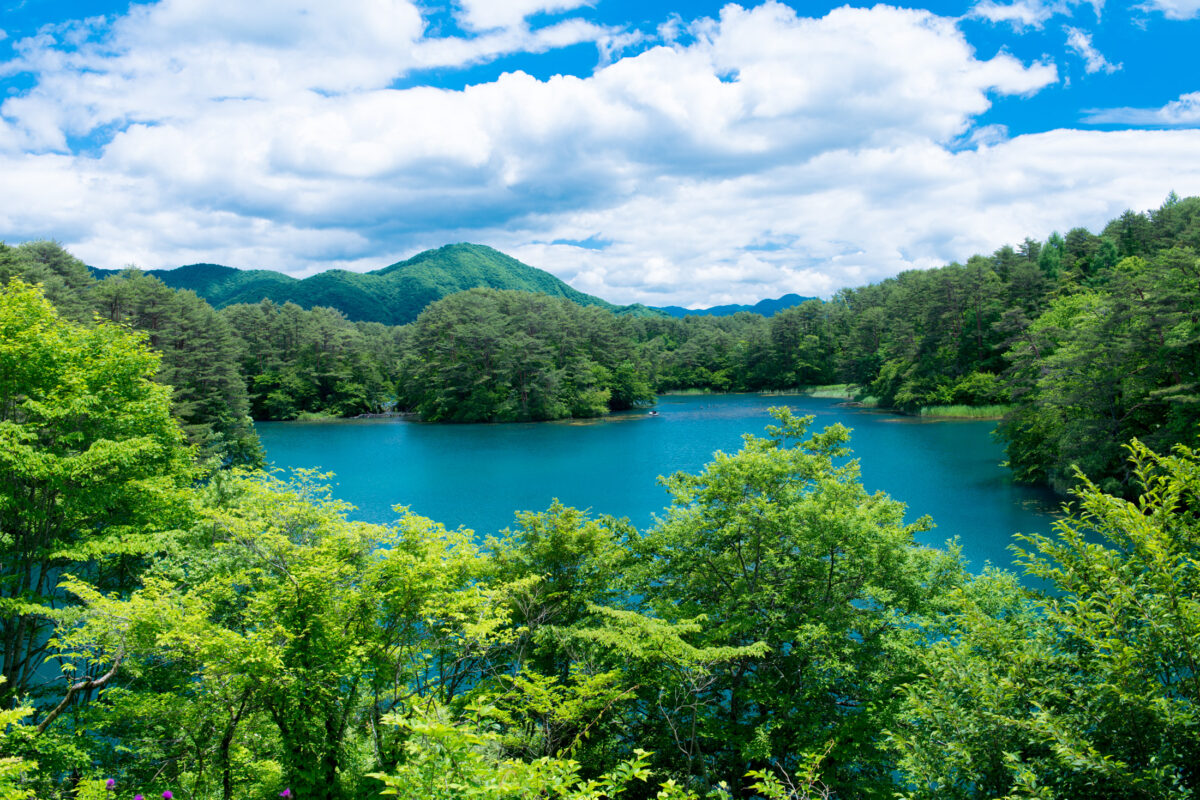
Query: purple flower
[
  {"x": 167, "y": 795},
  {"x": 110, "y": 783},
  {"x": 286, "y": 792},
  {"x": 137, "y": 797}
]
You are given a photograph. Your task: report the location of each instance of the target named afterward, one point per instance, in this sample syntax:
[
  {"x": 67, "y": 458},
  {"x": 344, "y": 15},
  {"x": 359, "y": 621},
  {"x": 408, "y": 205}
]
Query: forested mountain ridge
[
  {"x": 1087, "y": 340},
  {"x": 766, "y": 308},
  {"x": 393, "y": 295},
  {"x": 409, "y": 286}
]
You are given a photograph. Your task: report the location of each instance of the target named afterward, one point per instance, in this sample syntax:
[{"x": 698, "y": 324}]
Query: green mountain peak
[{"x": 393, "y": 295}]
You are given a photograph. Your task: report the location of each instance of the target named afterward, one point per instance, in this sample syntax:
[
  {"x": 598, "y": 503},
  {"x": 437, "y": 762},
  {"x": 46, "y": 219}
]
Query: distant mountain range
[
  {"x": 396, "y": 294},
  {"x": 765, "y": 307}
]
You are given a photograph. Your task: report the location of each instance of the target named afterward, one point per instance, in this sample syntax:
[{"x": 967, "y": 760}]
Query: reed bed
[{"x": 965, "y": 412}]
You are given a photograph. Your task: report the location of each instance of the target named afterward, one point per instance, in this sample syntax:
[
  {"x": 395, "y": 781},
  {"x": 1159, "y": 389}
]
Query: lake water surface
[{"x": 479, "y": 475}]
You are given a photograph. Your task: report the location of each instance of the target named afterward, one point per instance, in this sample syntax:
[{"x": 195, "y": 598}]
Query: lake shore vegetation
[
  {"x": 996, "y": 412},
  {"x": 1085, "y": 340},
  {"x": 776, "y": 633}
]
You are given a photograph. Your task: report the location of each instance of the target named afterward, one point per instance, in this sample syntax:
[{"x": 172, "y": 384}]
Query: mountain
[
  {"x": 766, "y": 308},
  {"x": 393, "y": 295},
  {"x": 396, "y": 294}
]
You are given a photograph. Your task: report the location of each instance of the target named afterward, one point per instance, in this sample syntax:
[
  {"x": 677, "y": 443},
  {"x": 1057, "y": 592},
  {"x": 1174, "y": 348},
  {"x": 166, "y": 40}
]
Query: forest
[
  {"x": 175, "y": 622},
  {"x": 1082, "y": 342}
]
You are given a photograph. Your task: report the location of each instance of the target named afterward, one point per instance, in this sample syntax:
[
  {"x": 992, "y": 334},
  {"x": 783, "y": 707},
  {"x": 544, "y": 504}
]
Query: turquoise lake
[{"x": 478, "y": 475}]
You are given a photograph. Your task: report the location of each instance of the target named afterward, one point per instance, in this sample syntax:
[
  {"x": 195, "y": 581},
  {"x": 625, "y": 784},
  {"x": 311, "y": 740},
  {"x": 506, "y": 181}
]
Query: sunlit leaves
[
  {"x": 1090, "y": 690},
  {"x": 89, "y": 455}
]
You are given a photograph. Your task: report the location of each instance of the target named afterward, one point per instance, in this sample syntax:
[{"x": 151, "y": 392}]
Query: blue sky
[{"x": 661, "y": 152}]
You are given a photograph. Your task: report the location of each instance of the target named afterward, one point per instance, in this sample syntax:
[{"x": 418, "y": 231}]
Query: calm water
[{"x": 478, "y": 475}]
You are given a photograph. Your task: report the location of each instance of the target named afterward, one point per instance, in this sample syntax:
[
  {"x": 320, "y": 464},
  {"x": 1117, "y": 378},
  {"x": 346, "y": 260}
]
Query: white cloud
[
  {"x": 482, "y": 15},
  {"x": 1025, "y": 14},
  {"x": 986, "y": 136},
  {"x": 1178, "y": 113},
  {"x": 1080, "y": 42},
  {"x": 1174, "y": 9},
  {"x": 177, "y": 59},
  {"x": 1021, "y": 14},
  {"x": 464, "y": 51},
  {"x": 867, "y": 214},
  {"x": 772, "y": 153}
]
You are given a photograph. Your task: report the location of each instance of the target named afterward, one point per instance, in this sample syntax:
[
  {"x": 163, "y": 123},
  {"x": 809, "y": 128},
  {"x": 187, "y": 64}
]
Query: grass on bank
[
  {"x": 964, "y": 412},
  {"x": 831, "y": 391},
  {"x": 841, "y": 391},
  {"x": 317, "y": 416},
  {"x": 836, "y": 391}
]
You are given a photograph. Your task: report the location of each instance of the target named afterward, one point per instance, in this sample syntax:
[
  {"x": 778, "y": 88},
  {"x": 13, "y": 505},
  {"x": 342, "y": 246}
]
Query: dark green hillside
[
  {"x": 434, "y": 274},
  {"x": 222, "y": 286},
  {"x": 766, "y": 308},
  {"x": 205, "y": 277},
  {"x": 394, "y": 295}
]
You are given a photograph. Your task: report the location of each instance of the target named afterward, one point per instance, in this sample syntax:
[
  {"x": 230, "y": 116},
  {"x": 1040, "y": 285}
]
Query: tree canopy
[
  {"x": 776, "y": 633},
  {"x": 91, "y": 464}
]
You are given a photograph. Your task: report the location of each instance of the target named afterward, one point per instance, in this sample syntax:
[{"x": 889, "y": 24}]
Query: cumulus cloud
[
  {"x": 1021, "y": 14},
  {"x": 178, "y": 60},
  {"x": 1026, "y": 14},
  {"x": 1184, "y": 112},
  {"x": 763, "y": 152},
  {"x": 1080, "y": 41},
  {"x": 869, "y": 214},
  {"x": 1174, "y": 9},
  {"x": 483, "y": 15}
]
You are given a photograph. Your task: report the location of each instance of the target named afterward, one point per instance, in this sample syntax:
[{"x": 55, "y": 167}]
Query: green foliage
[
  {"x": 13, "y": 771},
  {"x": 199, "y": 360},
  {"x": 669, "y": 678},
  {"x": 779, "y": 547},
  {"x": 64, "y": 279},
  {"x": 978, "y": 389},
  {"x": 90, "y": 463},
  {"x": 934, "y": 337},
  {"x": 579, "y": 562},
  {"x": 199, "y": 354},
  {"x": 274, "y": 637},
  {"x": 965, "y": 412},
  {"x": 493, "y": 356},
  {"x": 1104, "y": 365},
  {"x": 445, "y": 760},
  {"x": 997, "y": 330},
  {"x": 806, "y": 785},
  {"x": 776, "y": 631},
  {"x": 1091, "y": 690},
  {"x": 299, "y": 362}
]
